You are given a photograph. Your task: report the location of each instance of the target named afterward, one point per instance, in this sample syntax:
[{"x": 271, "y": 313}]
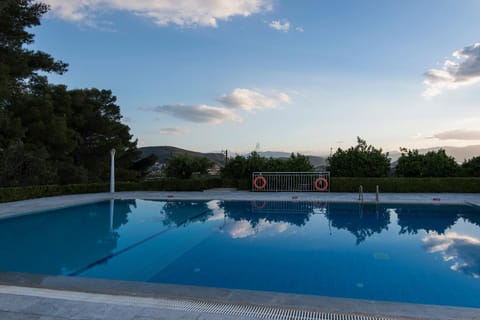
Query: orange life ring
[
  {"x": 325, "y": 184},
  {"x": 261, "y": 186}
]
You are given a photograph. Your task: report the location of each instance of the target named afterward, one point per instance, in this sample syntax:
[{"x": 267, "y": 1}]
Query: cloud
[
  {"x": 198, "y": 113},
  {"x": 250, "y": 100},
  {"x": 280, "y": 26},
  {"x": 162, "y": 12},
  {"x": 299, "y": 29},
  {"x": 463, "y": 70},
  {"x": 244, "y": 228},
  {"x": 238, "y": 99},
  {"x": 462, "y": 252},
  {"x": 174, "y": 131},
  {"x": 459, "y": 134}
]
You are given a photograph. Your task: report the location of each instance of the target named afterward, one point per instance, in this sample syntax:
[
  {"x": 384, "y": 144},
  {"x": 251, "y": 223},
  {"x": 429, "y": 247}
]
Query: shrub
[
  {"x": 360, "y": 161},
  {"x": 431, "y": 164},
  {"x": 241, "y": 168},
  {"x": 183, "y": 166},
  {"x": 471, "y": 167}
]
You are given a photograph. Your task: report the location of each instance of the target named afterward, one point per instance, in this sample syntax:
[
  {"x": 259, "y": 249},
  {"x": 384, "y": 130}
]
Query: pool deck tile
[{"x": 82, "y": 298}]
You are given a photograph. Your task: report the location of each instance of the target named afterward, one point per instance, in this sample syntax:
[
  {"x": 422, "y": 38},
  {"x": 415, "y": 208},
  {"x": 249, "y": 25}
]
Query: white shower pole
[{"x": 112, "y": 171}]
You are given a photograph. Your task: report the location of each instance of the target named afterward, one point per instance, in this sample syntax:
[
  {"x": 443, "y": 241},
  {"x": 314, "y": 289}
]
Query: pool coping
[
  {"x": 393, "y": 310},
  {"x": 9, "y": 209}
]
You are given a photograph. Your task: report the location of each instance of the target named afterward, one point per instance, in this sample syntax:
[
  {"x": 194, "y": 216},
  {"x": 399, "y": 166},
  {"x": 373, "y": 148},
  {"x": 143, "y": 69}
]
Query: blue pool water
[{"x": 395, "y": 252}]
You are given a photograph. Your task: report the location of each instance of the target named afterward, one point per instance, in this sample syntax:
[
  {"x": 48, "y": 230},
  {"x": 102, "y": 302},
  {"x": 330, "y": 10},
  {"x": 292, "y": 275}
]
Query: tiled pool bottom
[{"x": 27, "y": 296}]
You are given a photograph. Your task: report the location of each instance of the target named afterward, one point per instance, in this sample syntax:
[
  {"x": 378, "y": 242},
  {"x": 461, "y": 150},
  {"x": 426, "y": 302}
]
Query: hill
[
  {"x": 459, "y": 153},
  {"x": 316, "y": 161},
  {"x": 163, "y": 152}
]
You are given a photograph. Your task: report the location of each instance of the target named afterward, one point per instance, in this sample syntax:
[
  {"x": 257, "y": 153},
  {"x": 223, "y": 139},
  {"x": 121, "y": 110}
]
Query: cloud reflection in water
[{"x": 463, "y": 252}]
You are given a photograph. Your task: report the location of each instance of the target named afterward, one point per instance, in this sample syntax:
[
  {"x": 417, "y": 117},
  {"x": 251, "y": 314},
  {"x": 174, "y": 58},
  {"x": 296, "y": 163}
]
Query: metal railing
[{"x": 291, "y": 181}]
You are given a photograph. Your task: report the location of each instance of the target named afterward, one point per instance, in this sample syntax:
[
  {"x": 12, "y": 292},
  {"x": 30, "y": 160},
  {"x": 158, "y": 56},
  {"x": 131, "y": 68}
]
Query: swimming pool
[{"x": 394, "y": 252}]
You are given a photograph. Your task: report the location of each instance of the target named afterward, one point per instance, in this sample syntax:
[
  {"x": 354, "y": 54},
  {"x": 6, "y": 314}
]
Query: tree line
[
  {"x": 238, "y": 167},
  {"x": 49, "y": 133},
  {"x": 362, "y": 160},
  {"x": 365, "y": 160}
]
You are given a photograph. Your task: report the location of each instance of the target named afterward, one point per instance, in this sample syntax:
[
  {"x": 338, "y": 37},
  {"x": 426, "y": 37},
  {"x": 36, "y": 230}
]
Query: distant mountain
[
  {"x": 316, "y": 161},
  {"x": 274, "y": 154},
  {"x": 459, "y": 153},
  {"x": 163, "y": 152}
]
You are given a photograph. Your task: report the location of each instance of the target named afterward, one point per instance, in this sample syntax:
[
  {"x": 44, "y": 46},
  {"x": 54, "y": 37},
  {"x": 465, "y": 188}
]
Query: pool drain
[
  {"x": 226, "y": 309},
  {"x": 264, "y": 312}
]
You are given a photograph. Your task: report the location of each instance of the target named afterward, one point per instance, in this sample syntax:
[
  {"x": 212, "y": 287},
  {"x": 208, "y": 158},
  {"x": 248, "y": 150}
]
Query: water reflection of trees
[
  {"x": 181, "y": 212},
  {"x": 413, "y": 218},
  {"x": 294, "y": 213},
  {"x": 363, "y": 221},
  {"x": 61, "y": 240},
  {"x": 121, "y": 211},
  {"x": 472, "y": 216}
]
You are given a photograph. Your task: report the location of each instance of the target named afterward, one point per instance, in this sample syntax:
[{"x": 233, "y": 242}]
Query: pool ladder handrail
[{"x": 377, "y": 193}]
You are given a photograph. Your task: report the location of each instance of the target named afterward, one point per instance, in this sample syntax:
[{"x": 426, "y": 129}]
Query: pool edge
[{"x": 395, "y": 310}]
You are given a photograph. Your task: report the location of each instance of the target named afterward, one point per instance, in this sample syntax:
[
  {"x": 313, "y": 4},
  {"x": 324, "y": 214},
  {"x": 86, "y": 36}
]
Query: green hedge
[
  {"x": 396, "y": 184},
  {"x": 241, "y": 184},
  {"x": 22, "y": 193},
  {"x": 390, "y": 184}
]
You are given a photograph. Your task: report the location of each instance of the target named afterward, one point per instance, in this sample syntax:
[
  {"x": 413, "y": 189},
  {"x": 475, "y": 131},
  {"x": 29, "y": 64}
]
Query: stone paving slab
[
  {"x": 75, "y": 298},
  {"x": 29, "y": 307}
]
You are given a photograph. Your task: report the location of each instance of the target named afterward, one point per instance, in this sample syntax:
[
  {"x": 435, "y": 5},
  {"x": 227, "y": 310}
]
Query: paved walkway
[{"x": 18, "y": 207}]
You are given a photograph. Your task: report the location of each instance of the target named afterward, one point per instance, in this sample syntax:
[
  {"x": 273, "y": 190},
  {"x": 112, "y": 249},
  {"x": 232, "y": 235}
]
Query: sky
[{"x": 285, "y": 75}]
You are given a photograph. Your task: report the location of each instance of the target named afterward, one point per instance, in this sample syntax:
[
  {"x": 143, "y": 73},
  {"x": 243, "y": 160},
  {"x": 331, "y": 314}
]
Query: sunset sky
[{"x": 286, "y": 75}]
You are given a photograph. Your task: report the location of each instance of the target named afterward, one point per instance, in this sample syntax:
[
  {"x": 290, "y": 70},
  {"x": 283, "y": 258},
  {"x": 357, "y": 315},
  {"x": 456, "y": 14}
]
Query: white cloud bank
[
  {"x": 174, "y": 131},
  {"x": 460, "y": 134},
  {"x": 463, "y": 70},
  {"x": 250, "y": 100},
  {"x": 163, "y": 12},
  {"x": 238, "y": 99},
  {"x": 198, "y": 113}
]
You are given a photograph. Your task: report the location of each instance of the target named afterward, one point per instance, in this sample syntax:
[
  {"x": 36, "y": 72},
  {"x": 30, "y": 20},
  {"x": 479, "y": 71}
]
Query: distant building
[{"x": 214, "y": 170}]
